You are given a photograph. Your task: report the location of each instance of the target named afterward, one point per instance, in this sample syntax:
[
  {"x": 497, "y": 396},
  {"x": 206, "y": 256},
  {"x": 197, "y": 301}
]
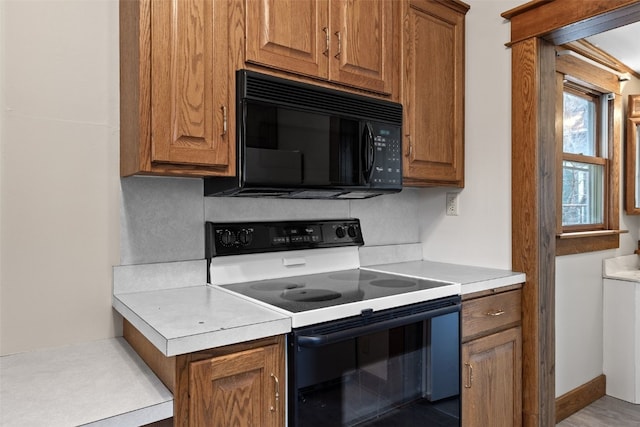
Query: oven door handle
[{"x": 326, "y": 339}]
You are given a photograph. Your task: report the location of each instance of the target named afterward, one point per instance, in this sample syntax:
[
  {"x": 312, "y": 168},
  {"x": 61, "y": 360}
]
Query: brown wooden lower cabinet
[
  {"x": 492, "y": 360},
  {"x": 236, "y": 385}
]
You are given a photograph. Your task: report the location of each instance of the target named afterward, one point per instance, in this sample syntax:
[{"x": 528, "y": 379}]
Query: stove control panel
[{"x": 238, "y": 238}]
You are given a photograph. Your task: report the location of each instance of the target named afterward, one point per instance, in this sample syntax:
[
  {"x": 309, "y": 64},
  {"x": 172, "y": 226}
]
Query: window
[
  {"x": 583, "y": 164},
  {"x": 588, "y": 163}
]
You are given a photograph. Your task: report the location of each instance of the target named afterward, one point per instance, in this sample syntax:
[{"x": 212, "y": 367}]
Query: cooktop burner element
[
  {"x": 394, "y": 283},
  {"x": 276, "y": 286},
  {"x": 353, "y": 275},
  {"x": 308, "y": 292},
  {"x": 311, "y": 295}
]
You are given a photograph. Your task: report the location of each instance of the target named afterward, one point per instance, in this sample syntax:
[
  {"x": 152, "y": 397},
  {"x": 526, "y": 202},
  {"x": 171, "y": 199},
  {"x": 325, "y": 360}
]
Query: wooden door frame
[{"x": 536, "y": 27}]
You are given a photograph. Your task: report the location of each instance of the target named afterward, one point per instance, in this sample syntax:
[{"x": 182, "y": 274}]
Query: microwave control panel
[{"x": 387, "y": 164}]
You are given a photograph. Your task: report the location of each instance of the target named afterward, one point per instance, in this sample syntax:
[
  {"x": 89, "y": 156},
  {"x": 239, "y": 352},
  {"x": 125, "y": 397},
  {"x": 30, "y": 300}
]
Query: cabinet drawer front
[{"x": 490, "y": 313}]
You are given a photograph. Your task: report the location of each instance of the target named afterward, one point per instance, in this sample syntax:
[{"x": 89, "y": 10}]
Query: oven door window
[
  {"x": 299, "y": 148},
  {"x": 381, "y": 379}
]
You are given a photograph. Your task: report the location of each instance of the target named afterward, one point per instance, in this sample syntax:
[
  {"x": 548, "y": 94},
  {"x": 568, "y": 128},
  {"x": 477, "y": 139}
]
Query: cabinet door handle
[
  {"x": 469, "y": 375},
  {"x": 495, "y": 313},
  {"x": 326, "y": 41},
  {"x": 276, "y": 382},
  {"x": 224, "y": 119},
  {"x": 337, "y": 55}
]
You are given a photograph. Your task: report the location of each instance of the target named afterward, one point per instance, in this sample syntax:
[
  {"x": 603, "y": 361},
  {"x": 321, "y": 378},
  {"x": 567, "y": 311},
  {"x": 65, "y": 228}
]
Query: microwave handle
[{"x": 368, "y": 151}]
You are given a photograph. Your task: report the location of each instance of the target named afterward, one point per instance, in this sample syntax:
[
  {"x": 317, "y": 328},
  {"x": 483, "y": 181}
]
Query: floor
[{"x": 605, "y": 412}]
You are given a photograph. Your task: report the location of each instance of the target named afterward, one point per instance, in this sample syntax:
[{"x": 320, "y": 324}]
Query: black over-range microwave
[{"x": 297, "y": 140}]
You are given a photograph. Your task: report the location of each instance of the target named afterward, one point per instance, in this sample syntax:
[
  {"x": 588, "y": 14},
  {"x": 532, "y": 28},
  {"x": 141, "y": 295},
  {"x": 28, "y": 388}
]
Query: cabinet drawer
[{"x": 490, "y": 313}]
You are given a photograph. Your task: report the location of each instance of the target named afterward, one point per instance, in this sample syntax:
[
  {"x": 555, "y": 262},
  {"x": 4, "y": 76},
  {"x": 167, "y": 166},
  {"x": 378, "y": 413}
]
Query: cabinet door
[
  {"x": 433, "y": 94},
  {"x": 363, "y": 44},
  {"x": 291, "y": 35},
  {"x": 491, "y": 380},
  {"x": 240, "y": 389},
  {"x": 190, "y": 83}
]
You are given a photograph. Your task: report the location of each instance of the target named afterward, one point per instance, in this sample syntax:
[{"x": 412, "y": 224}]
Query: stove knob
[
  {"x": 227, "y": 237},
  {"x": 245, "y": 237},
  {"x": 340, "y": 232},
  {"x": 352, "y": 232}
]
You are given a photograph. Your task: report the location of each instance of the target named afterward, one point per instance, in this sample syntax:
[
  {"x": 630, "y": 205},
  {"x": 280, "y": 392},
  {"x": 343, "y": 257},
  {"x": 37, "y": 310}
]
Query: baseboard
[{"x": 580, "y": 397}]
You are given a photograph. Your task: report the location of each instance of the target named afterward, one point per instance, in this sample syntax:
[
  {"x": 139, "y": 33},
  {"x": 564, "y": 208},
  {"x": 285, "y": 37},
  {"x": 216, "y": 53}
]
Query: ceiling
[{"x": 621, "y": 43}]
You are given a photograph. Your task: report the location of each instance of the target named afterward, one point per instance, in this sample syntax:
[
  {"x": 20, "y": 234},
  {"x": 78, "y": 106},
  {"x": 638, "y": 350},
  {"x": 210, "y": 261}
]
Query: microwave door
[
  {"x": 266, "y": 161},
  {"x": 265, "y": 166}
]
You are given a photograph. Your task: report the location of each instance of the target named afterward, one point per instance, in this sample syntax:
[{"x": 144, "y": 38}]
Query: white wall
[
  {"x": 2, "y": 137},
  {"x": 59, "y": 172},
  {"x": 481, "y": 234}
]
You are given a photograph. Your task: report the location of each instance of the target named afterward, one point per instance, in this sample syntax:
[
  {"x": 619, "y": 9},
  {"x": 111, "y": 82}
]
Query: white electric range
[
  {"x": 308, "y": 270},
  {"x": 367, "y": 348}
]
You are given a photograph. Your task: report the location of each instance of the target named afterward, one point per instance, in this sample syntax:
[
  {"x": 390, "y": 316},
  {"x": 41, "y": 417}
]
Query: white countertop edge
[
  {"x": 500, "y": 282},
  {"x": 157, "y": 339},
  {"x": 140, "y": 417},
  {"x": 624, "y": 276},
  {"x": 202, "y": 341},
  {"x": 223, "y": 337}
]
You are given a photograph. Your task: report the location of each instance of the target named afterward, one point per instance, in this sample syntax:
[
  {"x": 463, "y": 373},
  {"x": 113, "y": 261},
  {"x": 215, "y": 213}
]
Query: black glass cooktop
[{"x": 309, "y": 292}]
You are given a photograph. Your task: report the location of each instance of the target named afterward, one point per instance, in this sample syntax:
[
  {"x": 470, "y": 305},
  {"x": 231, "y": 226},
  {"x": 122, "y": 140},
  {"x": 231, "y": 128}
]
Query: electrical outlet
[{"x": 452, "y": 204}]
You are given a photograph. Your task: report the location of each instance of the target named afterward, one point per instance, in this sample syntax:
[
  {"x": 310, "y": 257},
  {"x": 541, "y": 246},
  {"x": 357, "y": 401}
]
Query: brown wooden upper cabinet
[
  {"x": 176, "y": 115},
  {"x": 353, "y": 43},
  {"x": 178, "y": 60},
  {"x": 433, "y": 92}
]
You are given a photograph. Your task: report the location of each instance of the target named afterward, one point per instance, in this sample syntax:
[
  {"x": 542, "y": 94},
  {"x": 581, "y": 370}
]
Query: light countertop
[
  {"x": 471, "y": 279},
  {"x": 100, "y": 383},
  {"x": 625, "y": 267},
  {"x": 188, "y": 319},
  {"x": 192, "y": 318}
]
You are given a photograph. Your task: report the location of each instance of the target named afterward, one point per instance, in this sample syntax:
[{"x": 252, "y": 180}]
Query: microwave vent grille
[{"x": 300, "y": 95}]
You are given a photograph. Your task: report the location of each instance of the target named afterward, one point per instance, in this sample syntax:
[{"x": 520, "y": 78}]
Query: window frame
[{"x": 573, "y": 72}]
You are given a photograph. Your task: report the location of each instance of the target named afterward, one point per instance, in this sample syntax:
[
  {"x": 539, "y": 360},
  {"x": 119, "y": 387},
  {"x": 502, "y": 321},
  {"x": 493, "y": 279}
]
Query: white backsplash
[
  {"x": 386, "y": 254},
  {"x": 163, "y": 218},
  {"x": 223, "y": 209},
  {"x": 158, "y": 276}
]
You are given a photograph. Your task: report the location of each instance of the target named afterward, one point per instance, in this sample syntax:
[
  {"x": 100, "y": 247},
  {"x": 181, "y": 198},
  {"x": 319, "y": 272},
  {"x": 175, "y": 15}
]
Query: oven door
[{"x": 398, "y": 367}]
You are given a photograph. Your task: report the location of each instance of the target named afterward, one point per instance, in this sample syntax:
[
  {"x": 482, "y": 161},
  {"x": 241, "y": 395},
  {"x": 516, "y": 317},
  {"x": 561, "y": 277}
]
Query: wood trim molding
[
  {"x": 587, "y": 74},
  {"x": 580, "y": 397},
  {"x": 579, "y": 245},
  {"x": 631, "y": 145},
  {"x": 597, "y": 55},
  {"x": 562, "y": 21},
  {"x": 533, "y": 199}
]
